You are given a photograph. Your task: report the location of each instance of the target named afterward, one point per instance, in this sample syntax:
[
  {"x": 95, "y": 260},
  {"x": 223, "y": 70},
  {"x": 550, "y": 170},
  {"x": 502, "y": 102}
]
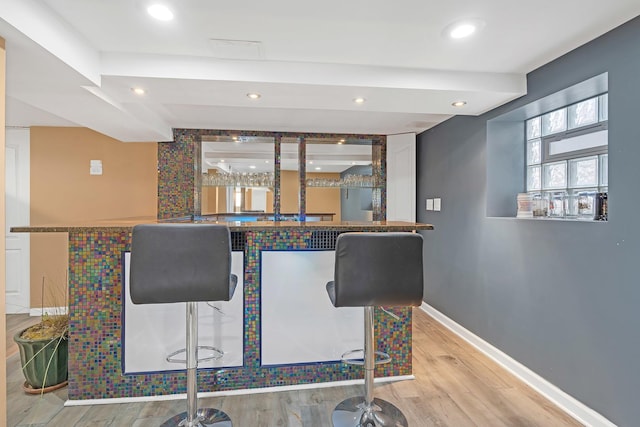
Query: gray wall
[{"x": 561, "y": 297}]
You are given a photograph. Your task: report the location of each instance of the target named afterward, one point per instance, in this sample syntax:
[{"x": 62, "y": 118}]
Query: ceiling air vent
[{"x": 236, "y": 49}]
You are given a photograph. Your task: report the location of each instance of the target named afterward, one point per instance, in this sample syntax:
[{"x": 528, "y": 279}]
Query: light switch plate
[
  {"x": 95, "y": 167},
  {"x": 437, "y": 204},
  {"x": 429, "y": 204}
]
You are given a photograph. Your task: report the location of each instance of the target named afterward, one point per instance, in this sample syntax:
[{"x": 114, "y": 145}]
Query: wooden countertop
[{"x": 126, "y": 224}]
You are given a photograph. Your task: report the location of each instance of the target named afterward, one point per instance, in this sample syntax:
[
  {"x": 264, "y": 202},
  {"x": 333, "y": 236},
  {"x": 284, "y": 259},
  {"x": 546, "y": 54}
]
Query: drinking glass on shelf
[{"x": 558, "y": 204}]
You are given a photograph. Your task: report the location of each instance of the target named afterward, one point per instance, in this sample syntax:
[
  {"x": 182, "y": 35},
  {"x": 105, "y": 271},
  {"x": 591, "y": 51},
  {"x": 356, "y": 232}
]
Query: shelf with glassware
[
  {"x": 266, "y": 179},
  {"x": 236, "y": 179},
  {"x": 348, "y": 181}
]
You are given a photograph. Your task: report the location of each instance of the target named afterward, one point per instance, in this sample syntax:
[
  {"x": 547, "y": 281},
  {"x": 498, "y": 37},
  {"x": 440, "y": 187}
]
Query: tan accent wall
[
  {"x": 221, "y": 196},
  {"x": 209, "y": 200},
  {"x": 319, "y": 200},
  {"x": 289, "y": 186},
  {"x": 323, "y": 200},
  {"x": 248, "y": 199},
  {"x": 63, "y": 192},
  {"x": 3, "y": 324},
  {"x": 270, "y": 201}
]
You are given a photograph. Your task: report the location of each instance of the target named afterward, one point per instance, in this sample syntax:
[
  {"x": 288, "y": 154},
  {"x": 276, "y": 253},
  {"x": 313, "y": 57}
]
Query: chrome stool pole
[
  {"x": 194, "y": 417},
  {"x": 367, "y": 411}
]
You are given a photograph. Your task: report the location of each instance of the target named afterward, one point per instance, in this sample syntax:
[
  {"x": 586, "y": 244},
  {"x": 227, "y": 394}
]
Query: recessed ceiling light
[
  {"x": 221, "y": 160},
  {"x": 318, "y": 168},
  {"x": 459, "y": 103},
  {"x": 138, "y": 90},
  {"x": 463, "y": 29},
  {"x": 160, "y": 12},
  {"x": 253, "y": 95},
  {"x": 266, "y": 161},
  {"x": 353, "y": 163},
  {"x": 310, "y": 162},
  {"x": 359, "y": 100},
  {"x": 252, "y": 166}
]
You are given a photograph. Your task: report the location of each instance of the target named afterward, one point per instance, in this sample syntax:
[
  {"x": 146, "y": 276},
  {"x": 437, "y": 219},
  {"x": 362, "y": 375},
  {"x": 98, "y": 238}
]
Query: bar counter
[{"x": 279, "y": 329}]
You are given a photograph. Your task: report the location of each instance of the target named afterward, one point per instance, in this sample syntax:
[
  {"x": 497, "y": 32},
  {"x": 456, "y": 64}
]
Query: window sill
[{"x": 546, "y": 219}]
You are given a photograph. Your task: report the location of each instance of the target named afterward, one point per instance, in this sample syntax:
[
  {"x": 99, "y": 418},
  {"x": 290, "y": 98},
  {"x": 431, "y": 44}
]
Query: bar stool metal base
[
  {"x": 353, "y": 412},
  {"x": 207, "y": 417}
]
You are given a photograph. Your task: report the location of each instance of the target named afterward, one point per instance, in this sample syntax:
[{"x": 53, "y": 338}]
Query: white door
[
  {"x": 17, "y": 213},
  {"x": 401, "y": 177}
]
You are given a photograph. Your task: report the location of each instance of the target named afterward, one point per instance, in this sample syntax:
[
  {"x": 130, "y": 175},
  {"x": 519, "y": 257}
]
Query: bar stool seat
[
  {"x": 374, "y": 269},
  {"x": 184, "y": 263}
]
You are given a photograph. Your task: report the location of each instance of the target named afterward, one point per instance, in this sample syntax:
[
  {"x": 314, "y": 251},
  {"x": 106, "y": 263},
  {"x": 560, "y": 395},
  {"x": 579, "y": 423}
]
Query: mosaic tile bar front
[
  {"x": 95, "y": 345},
  {"x": 95, "y": 268}
]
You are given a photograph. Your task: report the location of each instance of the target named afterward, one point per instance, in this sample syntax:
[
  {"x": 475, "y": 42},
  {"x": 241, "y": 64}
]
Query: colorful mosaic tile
[
  {"x": 277, "y": 192},
  {"x": 178, "y": 177},
  {"x": 95, "y": 365},
  {"x": 302, "y": 185},
  {"x": 95, "y": 268}
]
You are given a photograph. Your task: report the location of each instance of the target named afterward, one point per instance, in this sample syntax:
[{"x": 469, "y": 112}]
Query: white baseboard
[
  {"x": 564, "y": 401},
  {"x": 232, "y": 392},
  {"x": 48, "y": 310}
]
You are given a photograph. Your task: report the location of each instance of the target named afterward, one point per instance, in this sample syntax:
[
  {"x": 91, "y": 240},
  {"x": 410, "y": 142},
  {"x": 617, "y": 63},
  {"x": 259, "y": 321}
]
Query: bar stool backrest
[
  {"x": 378, "y": 269},
  {"x": 181, "y": 263}
]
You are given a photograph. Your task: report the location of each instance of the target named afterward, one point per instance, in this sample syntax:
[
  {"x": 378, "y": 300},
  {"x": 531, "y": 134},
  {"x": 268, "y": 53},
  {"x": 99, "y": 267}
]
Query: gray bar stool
[
  {"x": 374, "y": 269},
  {"x": 173, "y": 263}
]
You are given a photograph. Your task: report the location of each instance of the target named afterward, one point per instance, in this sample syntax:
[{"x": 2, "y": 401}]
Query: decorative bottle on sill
[
  {"x": 525, "y": 205},
  {"x": 602, "y": 208}
]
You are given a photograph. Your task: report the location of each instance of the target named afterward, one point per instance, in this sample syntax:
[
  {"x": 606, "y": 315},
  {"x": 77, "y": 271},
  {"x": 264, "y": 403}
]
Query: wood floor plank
[
  {"x": 477, "y": 410},
  {"x": 455, "y": 386},
  {"x": 544, "y": 414},
  {"x": 163, "y": 409},
  {"x": 42, "y": 409},
  {"x": 100, "y": 413},
  {"x": 15, "y": 324},
  {"x": 447, "y": 412},
  {"x": 69, "y": 417}
]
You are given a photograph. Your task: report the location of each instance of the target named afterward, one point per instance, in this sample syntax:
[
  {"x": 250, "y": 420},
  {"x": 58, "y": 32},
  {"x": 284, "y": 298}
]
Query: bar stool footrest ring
[
  {"x": 381, "y": 357},
  {"x": 217, "y": 354}
]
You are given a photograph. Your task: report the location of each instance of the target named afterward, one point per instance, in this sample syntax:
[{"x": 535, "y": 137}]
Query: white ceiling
[{"x": 74, "y": 62}]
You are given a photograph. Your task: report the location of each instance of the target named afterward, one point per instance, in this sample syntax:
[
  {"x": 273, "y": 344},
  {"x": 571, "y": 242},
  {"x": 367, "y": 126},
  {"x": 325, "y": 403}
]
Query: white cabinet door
[{"x": 401, "y": 177}]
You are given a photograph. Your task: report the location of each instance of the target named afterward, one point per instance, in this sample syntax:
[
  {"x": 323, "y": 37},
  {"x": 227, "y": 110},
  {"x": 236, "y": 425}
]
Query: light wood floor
[
  {"x": 455, "y": 386},
  {"x": 15, "y": 324}
]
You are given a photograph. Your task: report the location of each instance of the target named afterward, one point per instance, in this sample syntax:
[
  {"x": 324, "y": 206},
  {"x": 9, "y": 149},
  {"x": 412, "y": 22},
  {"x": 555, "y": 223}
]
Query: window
[{"x": 567, "y": 161}]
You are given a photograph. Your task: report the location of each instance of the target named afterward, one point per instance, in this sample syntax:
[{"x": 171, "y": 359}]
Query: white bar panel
[
  {"x": 299, "y": 323},
  {"x": 152, "y": 331}
]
